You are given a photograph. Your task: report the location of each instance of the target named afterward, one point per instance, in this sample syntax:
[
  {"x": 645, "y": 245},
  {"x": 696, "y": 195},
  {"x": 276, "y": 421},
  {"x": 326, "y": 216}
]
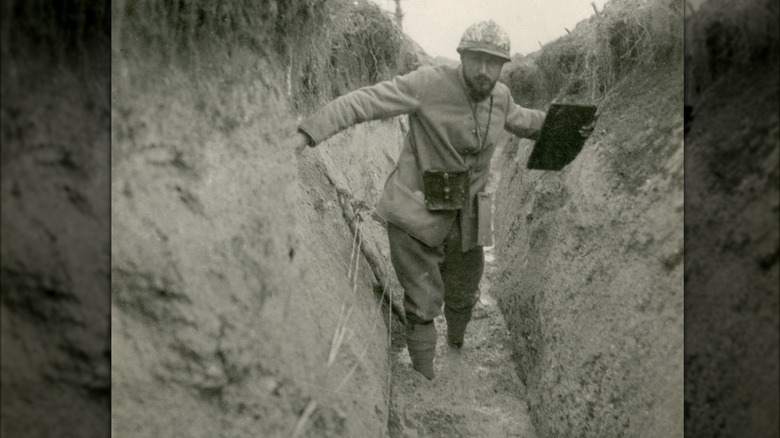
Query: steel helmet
[{"x": 486, "y": 37}]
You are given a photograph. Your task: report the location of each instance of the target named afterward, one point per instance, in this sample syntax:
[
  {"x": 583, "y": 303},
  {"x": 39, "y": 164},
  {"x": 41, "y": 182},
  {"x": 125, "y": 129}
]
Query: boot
[
  {"x": 456, "y": 325},
  {"x": 421, "y": 343}
]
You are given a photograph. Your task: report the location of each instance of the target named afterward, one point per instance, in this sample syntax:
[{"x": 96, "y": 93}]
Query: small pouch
[{"x": 446, "y": 190}]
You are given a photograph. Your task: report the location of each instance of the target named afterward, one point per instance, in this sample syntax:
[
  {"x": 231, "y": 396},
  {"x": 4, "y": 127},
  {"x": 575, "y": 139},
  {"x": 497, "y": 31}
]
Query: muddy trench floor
[{"x": 476, "y": 391}]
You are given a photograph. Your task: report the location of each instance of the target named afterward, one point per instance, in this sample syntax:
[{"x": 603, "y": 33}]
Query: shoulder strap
[{"x": 413, "y": 144}]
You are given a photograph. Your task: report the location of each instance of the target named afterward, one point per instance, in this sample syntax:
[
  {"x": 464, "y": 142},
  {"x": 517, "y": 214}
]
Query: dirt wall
[
  {"x": 230, "y": 264},
  {"x": 55, "y": 248},
  {"x": 731, "y": 279},
  {"x": 590, "y": 272}
]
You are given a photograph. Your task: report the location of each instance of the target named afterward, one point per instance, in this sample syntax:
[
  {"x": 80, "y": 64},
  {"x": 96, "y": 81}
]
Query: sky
[{"x": 437, "y": 25}]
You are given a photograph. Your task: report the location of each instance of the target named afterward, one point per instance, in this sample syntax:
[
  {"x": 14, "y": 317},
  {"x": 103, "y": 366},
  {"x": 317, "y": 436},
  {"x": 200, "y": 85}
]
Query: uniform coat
[{"x": 443, "y": 132}]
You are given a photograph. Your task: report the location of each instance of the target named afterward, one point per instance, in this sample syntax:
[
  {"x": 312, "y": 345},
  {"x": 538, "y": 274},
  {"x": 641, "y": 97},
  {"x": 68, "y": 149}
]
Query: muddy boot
[
  {"x": 456, "y": 325},
  {"x": 421, "y": 343}
]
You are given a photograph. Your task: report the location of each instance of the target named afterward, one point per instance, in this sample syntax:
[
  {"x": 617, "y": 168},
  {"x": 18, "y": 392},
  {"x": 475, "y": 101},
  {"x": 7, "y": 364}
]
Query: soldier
[{"x": 430, "y": 199}]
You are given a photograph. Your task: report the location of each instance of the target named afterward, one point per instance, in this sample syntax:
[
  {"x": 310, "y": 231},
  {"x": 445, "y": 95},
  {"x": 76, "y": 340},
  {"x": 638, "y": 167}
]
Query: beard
[{"x": 480, "y": 87}]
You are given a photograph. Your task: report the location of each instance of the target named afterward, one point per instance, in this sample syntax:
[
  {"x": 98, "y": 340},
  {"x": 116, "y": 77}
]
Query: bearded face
[{"x": 481, "y": 72}]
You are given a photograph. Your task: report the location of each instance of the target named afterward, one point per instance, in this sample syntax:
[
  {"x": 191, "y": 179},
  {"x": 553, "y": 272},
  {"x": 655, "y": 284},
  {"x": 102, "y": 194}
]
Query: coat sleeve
[
  {"x": 400, "y": 95},
  {"x": 523, "y": 122}
]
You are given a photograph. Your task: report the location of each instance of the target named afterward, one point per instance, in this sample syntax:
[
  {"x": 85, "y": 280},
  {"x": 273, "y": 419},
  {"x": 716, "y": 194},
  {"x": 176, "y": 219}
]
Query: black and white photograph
[{"x": 390, "y": 218}]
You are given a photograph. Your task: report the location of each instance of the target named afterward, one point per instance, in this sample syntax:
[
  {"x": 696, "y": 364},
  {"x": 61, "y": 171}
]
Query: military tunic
[{"x": 442, "y": 132}]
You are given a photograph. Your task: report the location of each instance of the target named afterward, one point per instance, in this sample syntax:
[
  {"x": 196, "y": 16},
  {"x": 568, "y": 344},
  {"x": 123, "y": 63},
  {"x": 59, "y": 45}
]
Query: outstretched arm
[
  {"x": 527, "y": 123},
  {"x": 523, "y": 122},
  {"x": 400, "y": 95}
]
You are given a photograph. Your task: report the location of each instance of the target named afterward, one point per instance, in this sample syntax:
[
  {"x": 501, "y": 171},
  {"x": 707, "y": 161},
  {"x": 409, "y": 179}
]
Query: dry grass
[
  {"x": 339, "y": 335},
  {"x": 303, "y": 421},
  {"x": 628, "y": 34},
  {"x": 179, "y": 29},
  {"x": 360, "y": 46},
  {"x": 599, "y": 52},
  {"x": 328, "y": 46}
]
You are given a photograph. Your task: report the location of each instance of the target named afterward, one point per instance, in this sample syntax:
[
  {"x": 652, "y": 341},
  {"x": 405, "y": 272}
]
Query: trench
[
  {"x": 584, "y": 280},
  {"x": 239, "y": 287},
  {"x": 245, "y": 300},
  {"x": 239, "y": 307},
  {"x": 477, "y": 391}
]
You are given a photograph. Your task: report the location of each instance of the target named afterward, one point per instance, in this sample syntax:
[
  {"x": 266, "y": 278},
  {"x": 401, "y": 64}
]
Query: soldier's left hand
[{"x": 587, "y": 130}]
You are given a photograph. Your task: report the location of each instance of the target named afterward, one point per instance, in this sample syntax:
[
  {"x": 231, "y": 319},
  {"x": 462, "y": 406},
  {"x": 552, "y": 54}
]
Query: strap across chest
[{"x": 477, "y": 130}]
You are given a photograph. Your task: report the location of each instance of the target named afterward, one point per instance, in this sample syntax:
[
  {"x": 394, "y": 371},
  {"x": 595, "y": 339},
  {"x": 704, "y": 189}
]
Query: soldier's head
[{"x": 483, "y": 49}]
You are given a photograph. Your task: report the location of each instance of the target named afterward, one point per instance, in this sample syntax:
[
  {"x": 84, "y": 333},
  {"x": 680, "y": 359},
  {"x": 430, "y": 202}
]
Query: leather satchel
[{"x": 446, "y": 190}]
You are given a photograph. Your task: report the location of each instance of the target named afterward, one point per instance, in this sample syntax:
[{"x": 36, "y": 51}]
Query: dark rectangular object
[
  {"x": 560, "y": 140},
  {"x": 446, "y": 190}
]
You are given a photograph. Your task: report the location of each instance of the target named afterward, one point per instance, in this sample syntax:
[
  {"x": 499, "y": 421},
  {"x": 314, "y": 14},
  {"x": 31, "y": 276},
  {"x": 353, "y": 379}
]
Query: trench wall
[
  {"x": 230, "y": 263},
  {"x": 590, "y": 269}
]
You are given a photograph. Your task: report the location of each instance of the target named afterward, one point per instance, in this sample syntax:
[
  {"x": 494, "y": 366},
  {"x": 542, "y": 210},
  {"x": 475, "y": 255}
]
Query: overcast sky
[{"x": 437, "y": 25}]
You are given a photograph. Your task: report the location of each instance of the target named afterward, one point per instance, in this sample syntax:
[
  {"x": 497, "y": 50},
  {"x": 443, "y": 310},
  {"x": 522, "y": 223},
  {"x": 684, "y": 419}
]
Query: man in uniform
[{"x": 455, "y": 117}]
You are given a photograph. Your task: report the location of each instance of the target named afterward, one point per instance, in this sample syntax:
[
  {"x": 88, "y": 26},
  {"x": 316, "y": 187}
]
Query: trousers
[{"x": 432, "y": 276}]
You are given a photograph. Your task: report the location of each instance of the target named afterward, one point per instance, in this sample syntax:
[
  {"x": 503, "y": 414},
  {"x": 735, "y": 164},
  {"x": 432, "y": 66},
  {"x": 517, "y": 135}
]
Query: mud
[{"x": 476, "y": 391}]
